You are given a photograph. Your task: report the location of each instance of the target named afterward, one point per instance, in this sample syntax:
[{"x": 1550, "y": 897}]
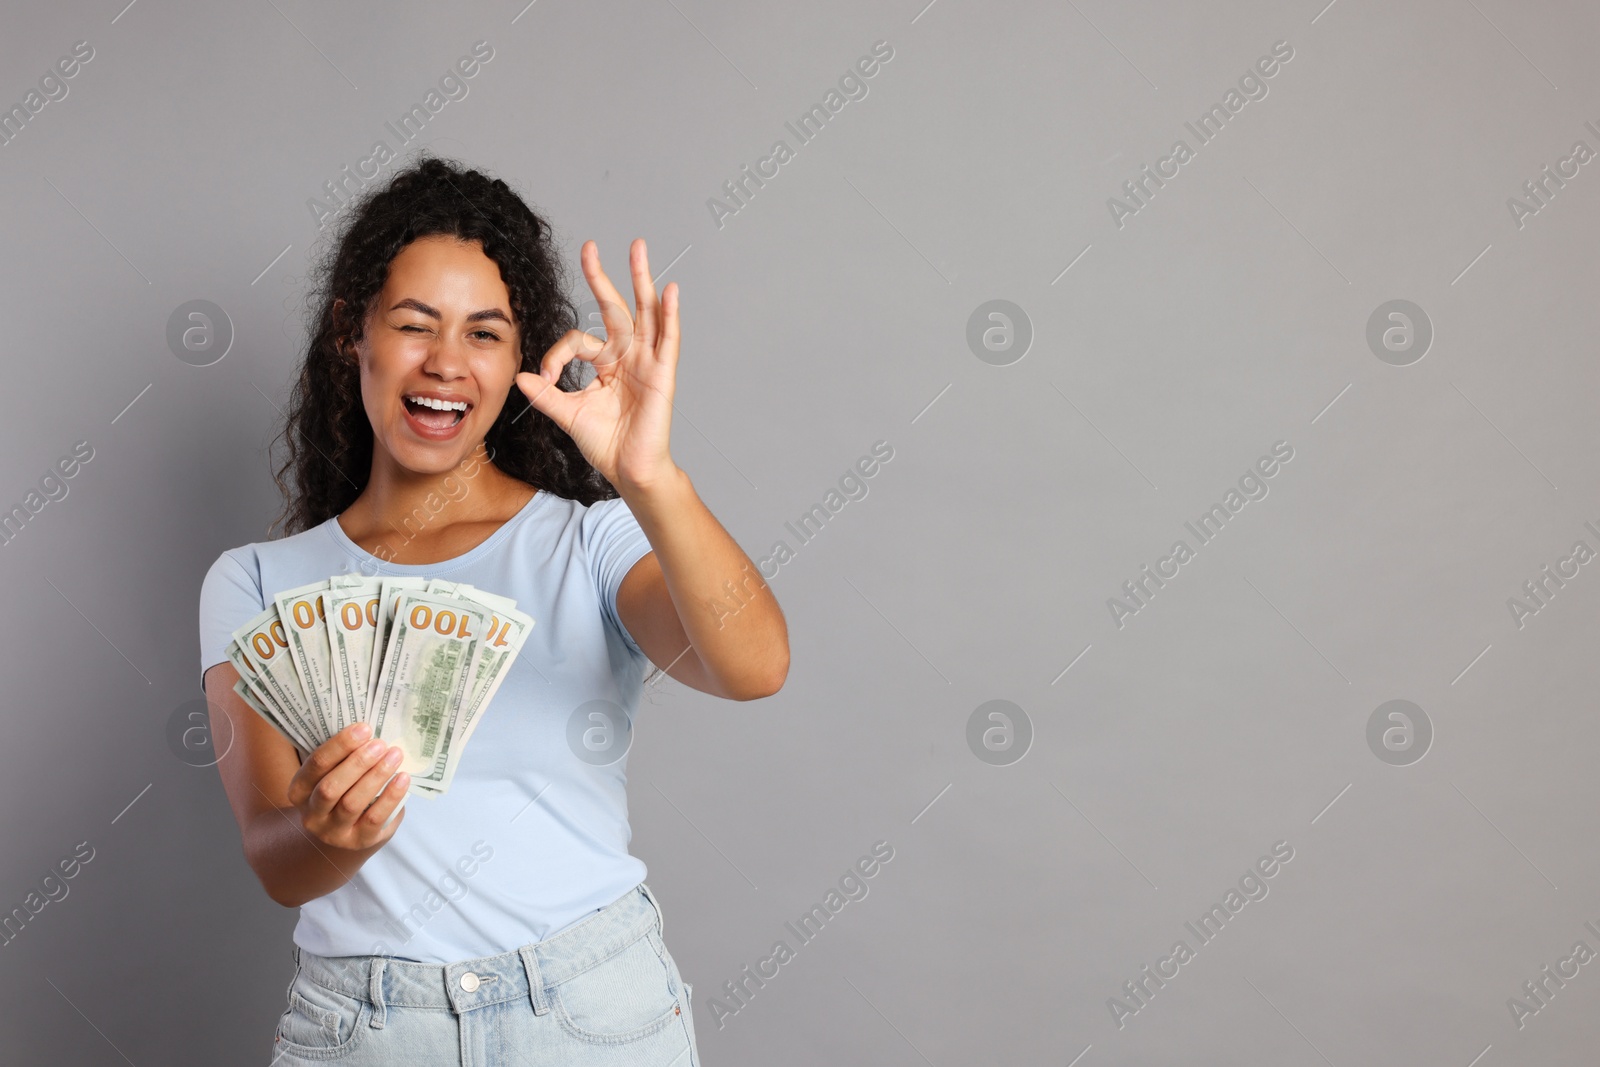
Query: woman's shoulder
[
  {"x": 586, "y": 525},
  {"x": 254, "y": 557},
  {"x": 288, "y": 545},
  {"x": 546, "y": 509}
]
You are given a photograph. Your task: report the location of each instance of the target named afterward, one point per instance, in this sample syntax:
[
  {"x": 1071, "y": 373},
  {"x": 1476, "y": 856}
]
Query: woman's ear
[{"x": 344, "y": 336}]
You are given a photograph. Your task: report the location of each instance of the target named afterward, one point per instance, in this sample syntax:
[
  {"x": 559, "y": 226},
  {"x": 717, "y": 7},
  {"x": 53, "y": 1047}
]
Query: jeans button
[{"x": 469, "y": 981}]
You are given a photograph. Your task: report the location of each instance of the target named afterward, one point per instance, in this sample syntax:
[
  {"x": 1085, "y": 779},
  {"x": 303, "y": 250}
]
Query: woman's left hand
[{"x": 620, "y": 420}]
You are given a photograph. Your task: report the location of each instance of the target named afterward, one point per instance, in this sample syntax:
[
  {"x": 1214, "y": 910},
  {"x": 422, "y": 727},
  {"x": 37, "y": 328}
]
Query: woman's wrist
[
  {"x": 642, "y": 489},
  {"x": 292, "y": 866}
]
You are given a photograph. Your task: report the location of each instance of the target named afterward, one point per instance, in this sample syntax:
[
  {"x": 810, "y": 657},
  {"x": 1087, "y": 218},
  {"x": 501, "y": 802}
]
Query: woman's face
[{"x": 439, "y": 354}]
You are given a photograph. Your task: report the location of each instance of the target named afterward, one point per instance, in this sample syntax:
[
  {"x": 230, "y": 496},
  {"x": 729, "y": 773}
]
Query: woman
[{"x": 505, "y": 921}]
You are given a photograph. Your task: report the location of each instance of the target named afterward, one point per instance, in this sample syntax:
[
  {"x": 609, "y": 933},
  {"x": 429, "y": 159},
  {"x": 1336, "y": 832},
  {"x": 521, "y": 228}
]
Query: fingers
[
  {"x": 325, "y": 757},
  {"x": 383, "y": 819},
  {"x": 574, "y": 344},
  {"x": 657, "y": 321},
  {"x": 644, "y": 292},
  {"x": 331, "y": 790},
  {"x": 667, "y": 348},
  {"x": 379, "y": 781},
  {"x": 348, "y": 789},
  {"x": 546, "y": 398},
  {"x": 656, "y": 332},
  {"x": 613, "y": 313}
]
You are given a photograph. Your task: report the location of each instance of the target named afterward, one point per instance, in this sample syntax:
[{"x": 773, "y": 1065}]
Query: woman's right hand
[{"x": 340, "y": 794}]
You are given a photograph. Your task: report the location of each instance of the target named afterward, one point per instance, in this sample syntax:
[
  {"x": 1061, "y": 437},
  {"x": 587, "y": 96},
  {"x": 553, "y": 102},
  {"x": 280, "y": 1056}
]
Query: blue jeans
[{"x": 602, "y": 992}]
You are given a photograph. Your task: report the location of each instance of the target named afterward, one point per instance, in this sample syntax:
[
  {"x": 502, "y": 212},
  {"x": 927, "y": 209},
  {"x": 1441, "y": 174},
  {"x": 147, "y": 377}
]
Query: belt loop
[
  {"x": 375, "y": 991},
  {"x": 661, "y": 920},
  {"x": 530, "y": 963}
]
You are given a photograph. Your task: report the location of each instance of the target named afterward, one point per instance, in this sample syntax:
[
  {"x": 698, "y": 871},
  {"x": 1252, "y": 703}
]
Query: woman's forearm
[
  {"x": 746, "y": 651},
  {"x": 291, "y": 866}
]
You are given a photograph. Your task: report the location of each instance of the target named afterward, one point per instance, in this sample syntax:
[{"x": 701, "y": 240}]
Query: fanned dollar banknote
[{"x": 417, "y": 658}]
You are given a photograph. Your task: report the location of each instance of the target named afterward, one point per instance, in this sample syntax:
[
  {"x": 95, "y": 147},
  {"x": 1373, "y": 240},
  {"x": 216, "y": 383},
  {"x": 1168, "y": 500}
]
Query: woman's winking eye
[{"x": 483, "y": 334}]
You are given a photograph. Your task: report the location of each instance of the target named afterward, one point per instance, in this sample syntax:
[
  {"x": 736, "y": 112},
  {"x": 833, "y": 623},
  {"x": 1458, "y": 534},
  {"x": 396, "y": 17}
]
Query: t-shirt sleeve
[
  {"x": 230, "y": 596},
  {"x": 613, "y": 542}
]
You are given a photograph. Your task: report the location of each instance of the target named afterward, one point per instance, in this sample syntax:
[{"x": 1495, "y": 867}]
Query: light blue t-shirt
[{"x": 530, "y": 838}]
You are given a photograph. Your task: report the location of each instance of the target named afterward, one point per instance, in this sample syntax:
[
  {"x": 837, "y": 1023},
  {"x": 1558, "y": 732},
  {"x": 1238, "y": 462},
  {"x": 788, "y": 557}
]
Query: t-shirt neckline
[{"x": 378, "y": 566}]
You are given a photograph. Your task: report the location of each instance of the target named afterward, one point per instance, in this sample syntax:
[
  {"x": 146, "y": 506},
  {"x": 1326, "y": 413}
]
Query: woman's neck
[{"x": 405, "y": 517}]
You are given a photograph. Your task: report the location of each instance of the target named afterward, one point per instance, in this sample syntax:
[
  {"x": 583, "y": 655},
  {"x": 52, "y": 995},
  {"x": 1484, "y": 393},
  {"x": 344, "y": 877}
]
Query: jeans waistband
[{"x": 525, "y": 972}]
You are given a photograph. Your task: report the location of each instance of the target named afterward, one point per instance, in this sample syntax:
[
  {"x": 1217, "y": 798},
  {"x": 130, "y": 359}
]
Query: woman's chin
[{"x": 429, "y": 457}]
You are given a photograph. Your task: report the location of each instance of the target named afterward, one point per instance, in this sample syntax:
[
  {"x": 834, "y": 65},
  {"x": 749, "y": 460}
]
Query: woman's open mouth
[{"x": 434, "y": 417}]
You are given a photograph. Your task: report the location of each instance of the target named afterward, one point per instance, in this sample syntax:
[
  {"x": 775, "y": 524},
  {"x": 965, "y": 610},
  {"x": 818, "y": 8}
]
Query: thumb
[{"x": 546, "y": 398}]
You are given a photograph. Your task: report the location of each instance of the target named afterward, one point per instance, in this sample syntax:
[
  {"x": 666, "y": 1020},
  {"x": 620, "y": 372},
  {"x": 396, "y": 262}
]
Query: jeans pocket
[
  {"x": 625, "y": 997},
  {"x": 321, "y": 1023}
]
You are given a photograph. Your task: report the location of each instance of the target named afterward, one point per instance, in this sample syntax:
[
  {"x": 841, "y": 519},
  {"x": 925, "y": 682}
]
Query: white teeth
[{"x": 439, "y": 405}]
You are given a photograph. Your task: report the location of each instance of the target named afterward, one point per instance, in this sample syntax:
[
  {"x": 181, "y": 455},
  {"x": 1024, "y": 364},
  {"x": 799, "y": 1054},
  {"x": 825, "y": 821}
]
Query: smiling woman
[
  {"x": 443, "y": 347},
  {"x": 421, "y": 389}
]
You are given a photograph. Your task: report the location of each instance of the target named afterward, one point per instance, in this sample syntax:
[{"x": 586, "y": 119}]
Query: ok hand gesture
[{"x": 620, "y": 420}]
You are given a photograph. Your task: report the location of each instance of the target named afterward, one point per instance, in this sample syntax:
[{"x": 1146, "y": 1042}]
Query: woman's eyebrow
[{"x": 486, "y": 315}]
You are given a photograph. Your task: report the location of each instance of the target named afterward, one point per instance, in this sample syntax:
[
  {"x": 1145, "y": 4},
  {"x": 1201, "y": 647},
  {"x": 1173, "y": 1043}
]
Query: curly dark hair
[{"x": 325, "y": 431}]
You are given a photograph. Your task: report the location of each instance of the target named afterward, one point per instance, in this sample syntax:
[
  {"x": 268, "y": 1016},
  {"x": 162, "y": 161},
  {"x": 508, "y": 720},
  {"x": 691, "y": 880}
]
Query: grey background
[{"x": 829, "y": 313}]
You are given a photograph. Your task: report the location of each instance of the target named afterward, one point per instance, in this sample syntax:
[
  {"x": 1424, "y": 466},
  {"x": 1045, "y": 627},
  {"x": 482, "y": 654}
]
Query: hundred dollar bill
[
  {"x": 425, "y": 682},
  {"x": 265, "y": 646},
  {"x": 303, "y": 613},
  {"x": 250, "y": 688},
  {"x": 389, "y": 590},
  {"x": 352, "y": 601},
  {"x": 508, "y": 629}
]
